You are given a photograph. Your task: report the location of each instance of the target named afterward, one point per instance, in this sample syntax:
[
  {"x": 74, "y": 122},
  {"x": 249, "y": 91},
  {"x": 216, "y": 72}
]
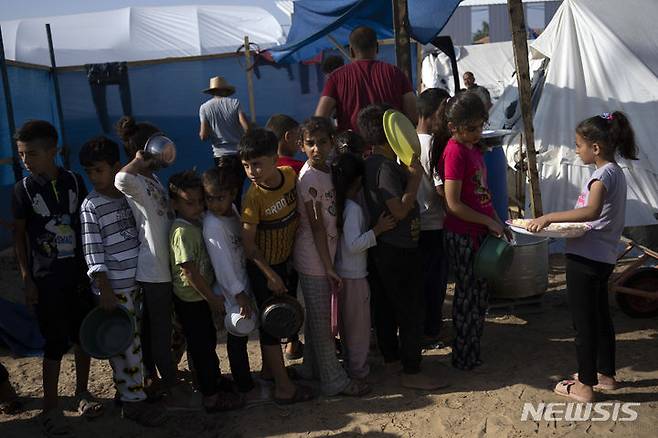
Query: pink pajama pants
[{"x": 354, "y": 325}]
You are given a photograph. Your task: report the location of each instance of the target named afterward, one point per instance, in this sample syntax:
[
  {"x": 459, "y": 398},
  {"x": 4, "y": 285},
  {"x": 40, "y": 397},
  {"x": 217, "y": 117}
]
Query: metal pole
[
  {"x": 18, "y": 171},
  {"x": 58, "y": 99},
  {"x": 250, "y": 80},
  {"x": 402, "y": 42},
  {"x": 520, "y": 44}
]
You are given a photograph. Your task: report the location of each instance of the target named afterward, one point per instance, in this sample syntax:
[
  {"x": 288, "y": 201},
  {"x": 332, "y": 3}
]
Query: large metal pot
[{"x": 528, "y": 273}]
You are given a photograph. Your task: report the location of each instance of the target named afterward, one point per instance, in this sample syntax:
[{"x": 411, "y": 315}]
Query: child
[
  {"x": 286, "y": 130},
  {"x": 395, "y": 271},
  {"x": 592, "y": 257},
  {"x": 432, "y": 213},
  {"x": 223, "y": 238},
  {"x": 315, "y": 249},
  {"x": 347, "y": 172},
  {"x": 46, "y": 209},
  {"x": 350, "y": 141},
  {"x": 110, "y": 244},
  {"x": 192, "y": 276},
  {"x": 150, "y": 205},
  {"x": 269, "y": 222},
  {"x": 470, "y": 218}
]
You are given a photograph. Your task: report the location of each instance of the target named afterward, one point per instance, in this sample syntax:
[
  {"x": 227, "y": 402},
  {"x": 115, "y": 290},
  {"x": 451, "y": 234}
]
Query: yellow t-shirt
[{"x": 274, "y": 210}]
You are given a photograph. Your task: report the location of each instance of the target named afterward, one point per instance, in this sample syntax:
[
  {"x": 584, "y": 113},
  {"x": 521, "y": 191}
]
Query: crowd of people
[{"x": 349, "y": 222}]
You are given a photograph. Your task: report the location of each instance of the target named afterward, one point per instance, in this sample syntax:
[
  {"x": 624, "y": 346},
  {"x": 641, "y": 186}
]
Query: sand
[{"x": 526, "y": 350}]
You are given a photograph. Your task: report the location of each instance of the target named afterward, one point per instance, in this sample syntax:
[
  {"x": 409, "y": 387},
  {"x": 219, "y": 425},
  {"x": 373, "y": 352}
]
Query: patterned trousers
[
  {"x": 320, "y": 359},
  {"x": 128, "y": 368},
  {"x": 469, "y": 303}
]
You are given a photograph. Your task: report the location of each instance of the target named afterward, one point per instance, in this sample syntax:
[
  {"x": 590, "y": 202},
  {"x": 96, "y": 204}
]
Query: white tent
[
  {"x": 139, "y": 33},
  {"x": 603, "y": 57}
]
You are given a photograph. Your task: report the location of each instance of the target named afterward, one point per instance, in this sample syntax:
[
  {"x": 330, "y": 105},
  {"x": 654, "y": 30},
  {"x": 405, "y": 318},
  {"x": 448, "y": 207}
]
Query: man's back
[
  {"x": 223, "y": 117},
  {"x": 362, "y": 83}
]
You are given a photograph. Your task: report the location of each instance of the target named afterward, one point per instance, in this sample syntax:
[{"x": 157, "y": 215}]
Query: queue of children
[{"x": 373, "y": 233}]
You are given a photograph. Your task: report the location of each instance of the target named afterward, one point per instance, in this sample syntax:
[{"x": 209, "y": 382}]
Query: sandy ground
[{"x": 526, "y": 350}]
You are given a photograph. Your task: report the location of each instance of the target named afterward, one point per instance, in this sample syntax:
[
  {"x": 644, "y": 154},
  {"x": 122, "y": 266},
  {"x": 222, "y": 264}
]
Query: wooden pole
[
  {"x": 520, "y": 44},
  {"x": 402, "y": 42},
  {"x": 419, "y": 67},
  {"x": 9, "y": 107},
  {"x": 58, "y": 98},
  {"x": 250, "y": 80}
]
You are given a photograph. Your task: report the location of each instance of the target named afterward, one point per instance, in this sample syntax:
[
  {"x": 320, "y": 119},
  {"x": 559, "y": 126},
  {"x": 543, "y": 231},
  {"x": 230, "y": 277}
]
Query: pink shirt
[
  {"x": 460, "y": 163},
  {"x": 314, "y": 185}
]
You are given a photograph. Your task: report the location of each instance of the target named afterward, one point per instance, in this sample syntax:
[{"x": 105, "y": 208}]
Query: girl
[
  {"x": 592, "y": 257},
  {"x": 470, "y": 217},
  {"x": 315, "y": 248},
  {"x": 223, "y": 239},
  {"x": 347, "y": 173}
]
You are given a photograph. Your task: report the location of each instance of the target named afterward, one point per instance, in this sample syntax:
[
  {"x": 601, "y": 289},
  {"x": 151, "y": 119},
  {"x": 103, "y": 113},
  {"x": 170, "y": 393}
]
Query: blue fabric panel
[{"x": 427, "y": 17}]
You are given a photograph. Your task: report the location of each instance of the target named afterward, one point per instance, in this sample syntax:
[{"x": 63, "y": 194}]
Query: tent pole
[
  {"x": 520, "y": 44},
  {"x": 419, "y": 67},
  {"x": 58, "y": 98},
  {"x": 340, "y": 48},
  {"x": 402, "y": 43},
  {"x": 250, "y": 80},
  {"x": 11, "y": 124}
]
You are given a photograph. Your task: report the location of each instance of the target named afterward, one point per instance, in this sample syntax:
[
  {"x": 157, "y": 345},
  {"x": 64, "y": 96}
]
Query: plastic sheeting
[
  {"x": 313, "y": 20},
  {"x": 139, "y": 33},
  {"x": 603, "y": 57}
]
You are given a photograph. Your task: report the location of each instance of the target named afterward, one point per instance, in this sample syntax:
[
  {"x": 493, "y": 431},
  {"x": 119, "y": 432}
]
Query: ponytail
[
  {"x": 134, "y": 135},
  {"x": 612, "y": 132},
  {"x": 441, "y": 137},
  {"x": 345, "y": 169}
]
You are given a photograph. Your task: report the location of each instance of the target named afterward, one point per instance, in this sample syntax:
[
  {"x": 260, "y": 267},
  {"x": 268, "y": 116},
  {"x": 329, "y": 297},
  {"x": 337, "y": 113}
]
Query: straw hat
[{"x": 219, "y": 87}]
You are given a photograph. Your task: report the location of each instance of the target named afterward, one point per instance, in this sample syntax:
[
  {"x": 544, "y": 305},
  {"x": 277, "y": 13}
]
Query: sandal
[
  {"x": 605, "y": 386},
  {"x": 226, "y": 401},
  {"x": 302, "y": 394},
  {"x": 88, "y": 407},
  {"x": 564, "y": 388},
  {"x": 147, "y": 415},
  {"x": 356, "y": 388},
  {"x": 54, "y": 425},
  {"x": 298, "y": 352}
]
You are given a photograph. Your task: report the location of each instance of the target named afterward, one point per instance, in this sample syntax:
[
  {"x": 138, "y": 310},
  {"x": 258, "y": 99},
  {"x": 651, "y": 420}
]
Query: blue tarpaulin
[{"x": 312, "y": 20}]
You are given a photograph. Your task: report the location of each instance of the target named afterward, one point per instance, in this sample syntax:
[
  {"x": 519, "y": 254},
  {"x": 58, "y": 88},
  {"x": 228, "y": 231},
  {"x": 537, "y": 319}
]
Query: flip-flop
[
  {"x": 302, "y": 394},
  {"x": 298, "y": 354},
  {"x": 88, "y": 407},
  {"x": 563, "y": 388},
  {"x": 600, "y": 385}
]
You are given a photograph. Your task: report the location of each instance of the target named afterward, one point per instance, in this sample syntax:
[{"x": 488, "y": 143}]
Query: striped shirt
[{"x": 109, "y": 240}]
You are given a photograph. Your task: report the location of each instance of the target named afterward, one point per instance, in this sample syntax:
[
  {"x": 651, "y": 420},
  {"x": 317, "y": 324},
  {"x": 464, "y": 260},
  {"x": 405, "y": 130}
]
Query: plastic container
[
  {"x": 497, "y": 180},
  {"x": 528, "y": 274}
]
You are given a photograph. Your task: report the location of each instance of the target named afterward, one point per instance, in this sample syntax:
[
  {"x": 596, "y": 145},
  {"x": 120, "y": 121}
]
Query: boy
[
  {"x": 111, "y": 247},
  {"x": 192, "y": 276},
  {"x": 46, "y": 209},
  {"x": 269, "y": 222},
  {"x": 396, "y": 277},
  {"x": 286, "y": 130},
  {"x": 432, "y": 213}
]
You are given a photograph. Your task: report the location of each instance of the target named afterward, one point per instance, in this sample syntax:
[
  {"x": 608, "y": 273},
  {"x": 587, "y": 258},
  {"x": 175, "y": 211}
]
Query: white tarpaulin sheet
[
  {"x": 139, "y": 33},
  {"x": 603, "y": 57}
]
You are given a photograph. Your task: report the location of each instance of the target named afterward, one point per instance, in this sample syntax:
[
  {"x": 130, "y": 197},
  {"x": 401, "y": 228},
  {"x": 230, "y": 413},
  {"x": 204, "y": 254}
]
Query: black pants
[
  {"x": 435, "y": 279},
  {"x": 201, "y": 336},
  {"x": 397, "y": 294},
  {"x": 156, "y": 331},
  {"x": 238, "y": 358},
  {"x": 4, "y": 375},
  {"x": 262, "y": 292},
  {"x": 587, "y": 287}
]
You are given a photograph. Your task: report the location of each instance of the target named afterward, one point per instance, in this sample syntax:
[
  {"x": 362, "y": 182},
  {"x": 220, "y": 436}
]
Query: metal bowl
[
  {"x": 160, "y": 148},
  {"x": 282, "y": 316}
]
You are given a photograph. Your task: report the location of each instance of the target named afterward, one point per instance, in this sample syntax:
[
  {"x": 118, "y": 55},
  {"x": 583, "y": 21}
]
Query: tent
[{"x": 603, "y": 57}]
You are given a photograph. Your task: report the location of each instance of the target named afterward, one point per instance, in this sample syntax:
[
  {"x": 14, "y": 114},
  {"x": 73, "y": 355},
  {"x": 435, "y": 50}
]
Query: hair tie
[{"x": 607, "y": 116}]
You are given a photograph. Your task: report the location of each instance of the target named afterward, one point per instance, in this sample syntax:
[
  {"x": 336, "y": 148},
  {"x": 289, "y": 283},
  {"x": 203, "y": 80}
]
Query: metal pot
[{"x": 282, "y": 316}]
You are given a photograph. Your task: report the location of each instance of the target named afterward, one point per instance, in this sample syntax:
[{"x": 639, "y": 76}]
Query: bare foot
[
  {"x": 605, "y": 382},
  {"x": 421, "y": 381}
]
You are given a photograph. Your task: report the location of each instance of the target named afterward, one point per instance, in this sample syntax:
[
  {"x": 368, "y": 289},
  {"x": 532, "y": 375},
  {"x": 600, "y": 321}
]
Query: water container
[
  {"x": 496, "y": 163},
  {"x": 528, "y": 274}
]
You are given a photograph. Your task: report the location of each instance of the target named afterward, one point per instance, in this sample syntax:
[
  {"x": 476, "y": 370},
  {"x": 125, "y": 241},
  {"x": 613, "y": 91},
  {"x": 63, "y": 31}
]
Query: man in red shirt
[{"x": 363, "y": 82}]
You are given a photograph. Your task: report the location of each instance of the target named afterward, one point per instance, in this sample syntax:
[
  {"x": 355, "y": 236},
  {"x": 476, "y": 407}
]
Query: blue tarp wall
[{"x": 167, "y": 94}]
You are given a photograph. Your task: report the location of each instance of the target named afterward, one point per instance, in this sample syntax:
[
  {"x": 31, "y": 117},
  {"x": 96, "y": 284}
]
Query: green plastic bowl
[
  {"x": 106, "y": 334},
  {"x": 493, "y": 258}
]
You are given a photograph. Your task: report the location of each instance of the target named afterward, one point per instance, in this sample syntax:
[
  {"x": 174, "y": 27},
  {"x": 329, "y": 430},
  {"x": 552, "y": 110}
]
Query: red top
[
  {"x": 288, "y": 161},
  {"x": 460, "y": 163},
  {"x": 361, "y": 83}
]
